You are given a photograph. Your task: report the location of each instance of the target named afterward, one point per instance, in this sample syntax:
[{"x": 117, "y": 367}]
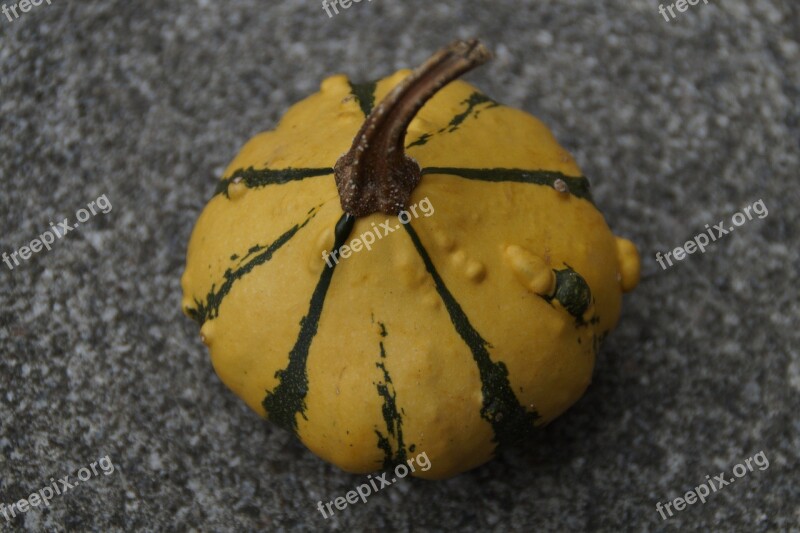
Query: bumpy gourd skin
[{"x": 451, "y": 336}]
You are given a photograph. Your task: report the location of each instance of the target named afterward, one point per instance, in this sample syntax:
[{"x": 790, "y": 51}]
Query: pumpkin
[{"x": 457, "y": 331}]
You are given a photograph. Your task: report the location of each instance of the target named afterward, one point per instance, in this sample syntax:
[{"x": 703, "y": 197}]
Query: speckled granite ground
[{"x": 678, "y": 124}]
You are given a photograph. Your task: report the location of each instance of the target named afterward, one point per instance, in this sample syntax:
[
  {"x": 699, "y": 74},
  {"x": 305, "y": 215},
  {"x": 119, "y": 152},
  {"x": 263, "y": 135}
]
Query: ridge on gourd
[{"x": 496, "y": 306}]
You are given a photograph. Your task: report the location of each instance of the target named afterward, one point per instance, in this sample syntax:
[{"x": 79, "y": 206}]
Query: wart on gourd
[{"x": 495, "y": 307}]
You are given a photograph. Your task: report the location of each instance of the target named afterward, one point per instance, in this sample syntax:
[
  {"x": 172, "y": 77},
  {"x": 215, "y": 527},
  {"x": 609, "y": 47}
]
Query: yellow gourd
[{"x": 467, "y": 323}]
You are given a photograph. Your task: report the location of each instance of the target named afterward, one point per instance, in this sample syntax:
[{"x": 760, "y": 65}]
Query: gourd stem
[{"x": 376, "y": 174}]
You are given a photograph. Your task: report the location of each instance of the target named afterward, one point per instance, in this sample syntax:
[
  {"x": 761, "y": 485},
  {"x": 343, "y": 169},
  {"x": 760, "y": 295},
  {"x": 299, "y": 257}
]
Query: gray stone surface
[{"x": 678, "y": 124}]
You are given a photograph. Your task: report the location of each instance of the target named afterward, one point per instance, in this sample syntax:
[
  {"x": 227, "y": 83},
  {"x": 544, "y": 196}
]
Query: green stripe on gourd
[
  {"x": 253, "y": 178},
  {"x": 288, "y": 398},
  {"x": 475, "y": 99},
  {"x": 390, "y": 412},
  {"x": 577, "y": 186},
  {"x": 364, "y": 94},
  {"x": 510, "y": 421},
  {"x": 209, "y": 309}
]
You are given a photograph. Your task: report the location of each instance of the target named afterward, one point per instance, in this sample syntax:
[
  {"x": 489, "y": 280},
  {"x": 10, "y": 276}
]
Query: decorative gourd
[{"x": 457, "y": 332}]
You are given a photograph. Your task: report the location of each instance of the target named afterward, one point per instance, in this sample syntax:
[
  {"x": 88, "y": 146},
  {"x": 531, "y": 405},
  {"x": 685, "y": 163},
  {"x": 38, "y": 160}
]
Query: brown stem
[{"x": 376, "y": 174}]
